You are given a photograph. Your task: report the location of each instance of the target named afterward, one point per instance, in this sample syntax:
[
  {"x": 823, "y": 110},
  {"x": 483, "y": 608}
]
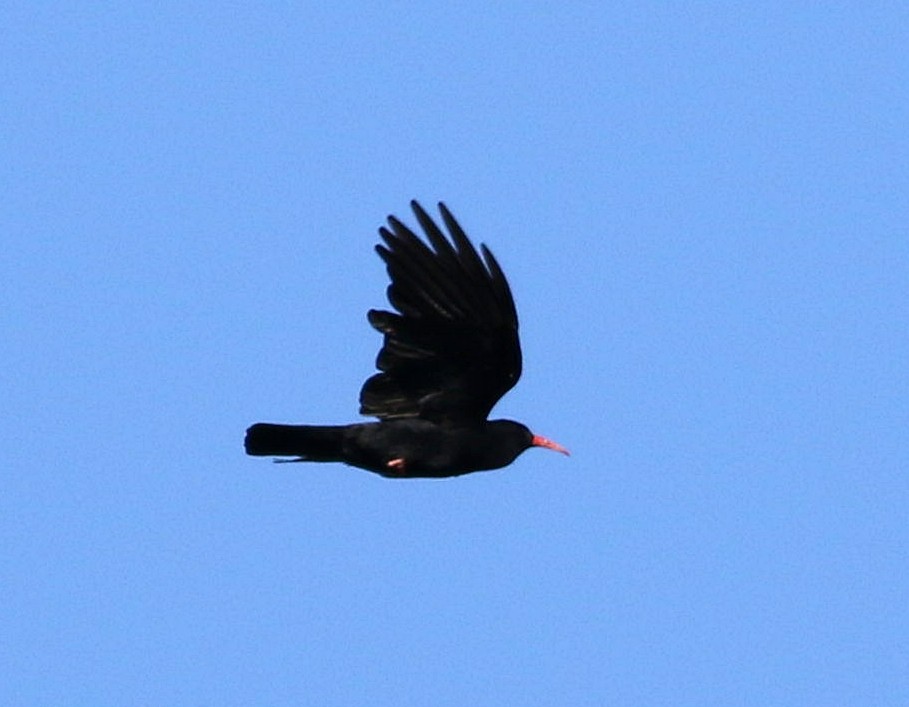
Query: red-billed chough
[{"x": 450, "y": 352}]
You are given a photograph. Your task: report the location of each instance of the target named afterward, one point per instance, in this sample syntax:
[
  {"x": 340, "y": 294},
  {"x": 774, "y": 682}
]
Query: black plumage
[{"x": 450, "y": 352}]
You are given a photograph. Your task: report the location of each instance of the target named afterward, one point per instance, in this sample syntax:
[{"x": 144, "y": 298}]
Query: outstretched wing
[{"x": 452, "y": 349}]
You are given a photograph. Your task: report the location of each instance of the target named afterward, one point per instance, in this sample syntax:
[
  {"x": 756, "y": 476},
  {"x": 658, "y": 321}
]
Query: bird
[{"x": 450, "y": 351}]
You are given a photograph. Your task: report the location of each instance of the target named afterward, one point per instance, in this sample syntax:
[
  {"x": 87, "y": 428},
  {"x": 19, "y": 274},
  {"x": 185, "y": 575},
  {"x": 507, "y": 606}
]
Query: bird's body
[
  {"x": 425, "y": 449},
  {"x": 450, "y": 351}
]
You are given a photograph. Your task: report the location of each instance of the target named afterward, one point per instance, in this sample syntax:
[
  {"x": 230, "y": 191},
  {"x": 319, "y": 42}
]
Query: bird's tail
[{"x": 308, "y": 442}]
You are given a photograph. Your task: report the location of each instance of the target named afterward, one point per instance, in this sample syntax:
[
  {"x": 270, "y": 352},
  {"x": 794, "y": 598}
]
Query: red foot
[{"x": 397, "y": 464}]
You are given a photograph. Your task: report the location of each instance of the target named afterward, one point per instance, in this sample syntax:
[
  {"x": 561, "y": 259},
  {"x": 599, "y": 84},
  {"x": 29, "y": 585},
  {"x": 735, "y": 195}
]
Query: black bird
[{"x": 449, "y": 353}]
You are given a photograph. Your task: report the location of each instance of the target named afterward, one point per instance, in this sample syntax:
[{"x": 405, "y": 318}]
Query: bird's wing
[{"x": 452, "y": 349}]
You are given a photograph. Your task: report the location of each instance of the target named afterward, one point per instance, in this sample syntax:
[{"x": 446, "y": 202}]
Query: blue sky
[{"x": 702, "y": 211}]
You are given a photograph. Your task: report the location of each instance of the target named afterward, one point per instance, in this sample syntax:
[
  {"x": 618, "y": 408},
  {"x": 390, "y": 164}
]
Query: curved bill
[{"x": 538, "y": 441}]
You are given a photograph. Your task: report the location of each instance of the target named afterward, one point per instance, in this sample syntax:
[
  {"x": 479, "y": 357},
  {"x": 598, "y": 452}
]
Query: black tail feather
[{"x": 308, "y": 442}]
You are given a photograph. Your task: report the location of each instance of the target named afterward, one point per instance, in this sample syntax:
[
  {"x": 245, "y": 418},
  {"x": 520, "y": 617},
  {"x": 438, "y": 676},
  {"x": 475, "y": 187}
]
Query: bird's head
[{"x": 522, "y": 438}]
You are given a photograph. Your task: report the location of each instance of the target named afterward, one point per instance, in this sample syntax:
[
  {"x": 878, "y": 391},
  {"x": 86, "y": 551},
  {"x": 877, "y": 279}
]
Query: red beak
[{"x": 538, "y": 441}]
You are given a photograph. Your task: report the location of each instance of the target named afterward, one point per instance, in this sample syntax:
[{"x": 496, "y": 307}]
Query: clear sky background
[{"x": 703, "y": 209}]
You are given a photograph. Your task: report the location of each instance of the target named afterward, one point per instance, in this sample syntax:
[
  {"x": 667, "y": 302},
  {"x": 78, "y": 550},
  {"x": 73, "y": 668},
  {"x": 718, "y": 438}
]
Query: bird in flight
[{"x": 450, "y": 352}]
